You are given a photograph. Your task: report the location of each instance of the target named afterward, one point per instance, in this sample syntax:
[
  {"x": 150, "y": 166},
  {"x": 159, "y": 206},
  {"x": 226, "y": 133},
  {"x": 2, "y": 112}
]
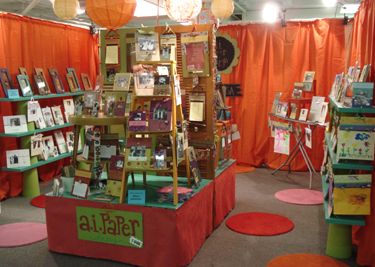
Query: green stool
[{"x": 339, "y": 241}]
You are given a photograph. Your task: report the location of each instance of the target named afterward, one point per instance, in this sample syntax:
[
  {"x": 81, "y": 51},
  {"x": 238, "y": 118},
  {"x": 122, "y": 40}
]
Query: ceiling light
[
  {"x": 270, "y": 12},
  {"x": 349, "y": 8},
  {"x": 329, "y": 3},
  {"x": 148, "y": 9}
]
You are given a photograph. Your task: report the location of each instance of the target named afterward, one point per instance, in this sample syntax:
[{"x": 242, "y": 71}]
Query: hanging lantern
[
  {"x": 222, "y": 9},
  {"x": 65, "y": 9},
  {"x": 111, "y": 14},
  {"x": 182, "y": 10}
]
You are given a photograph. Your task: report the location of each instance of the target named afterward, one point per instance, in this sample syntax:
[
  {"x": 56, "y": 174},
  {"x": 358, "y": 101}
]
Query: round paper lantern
[
  {"x": 182, "y": 10},
  {"x": 65, "y": 9},
  {"x": 222, "y": 9},
  {"x": 111, "y": 14}
]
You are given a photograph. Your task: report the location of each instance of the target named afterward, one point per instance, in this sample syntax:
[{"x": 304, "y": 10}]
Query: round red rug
[
  {"x": 300, "y": 196},
  {"x": 259, "y": 223},
  {"x": 21, "y": 234},
  {"x": 39, "y": 201},
  {"x": 305, "y": 260}
]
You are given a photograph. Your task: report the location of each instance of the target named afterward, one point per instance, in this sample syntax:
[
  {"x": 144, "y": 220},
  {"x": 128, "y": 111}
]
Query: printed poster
[{"x": 282, "y": 141}]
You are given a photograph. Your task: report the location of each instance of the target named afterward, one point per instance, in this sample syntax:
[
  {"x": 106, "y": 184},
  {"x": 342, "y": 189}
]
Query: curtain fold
[
  {"x": 272, "y": 58},
  {"x": 28, "y": 42},
  {"x": 362, "y": 49}
]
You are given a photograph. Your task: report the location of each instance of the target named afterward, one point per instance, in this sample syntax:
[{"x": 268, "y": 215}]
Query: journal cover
[
  {"x": 160, "y": 115},
  {"x": 138, "y": 152},
  {"x": 116, "y": 167},
  {"x": 120, "y": 108},
  {"x": 137, "y": 121}
]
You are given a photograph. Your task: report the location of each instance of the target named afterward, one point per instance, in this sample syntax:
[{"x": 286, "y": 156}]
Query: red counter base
[{"x": 170, "y": 237}]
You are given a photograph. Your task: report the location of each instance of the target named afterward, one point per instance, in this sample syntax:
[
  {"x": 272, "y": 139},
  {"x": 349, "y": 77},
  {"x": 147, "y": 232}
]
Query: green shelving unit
[
  {"x": 37, "y": 97},
  {"x": 37, "y": 131},
  {"x": 341, "y": 109}
]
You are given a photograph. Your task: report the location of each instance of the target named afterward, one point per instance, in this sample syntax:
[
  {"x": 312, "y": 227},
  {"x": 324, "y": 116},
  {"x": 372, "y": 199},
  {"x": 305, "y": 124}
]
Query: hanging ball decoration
[
  {"x": 111, "y": 14},
  {"x": 182, "y": 10},
  {"x": 65, "y": 9},
  {"x": 222, "y": 9}
]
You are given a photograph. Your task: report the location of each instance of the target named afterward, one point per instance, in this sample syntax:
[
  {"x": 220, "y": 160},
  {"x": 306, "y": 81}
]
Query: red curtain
[
  {"x": 27, "y": 42},
  {"x": 362, "y": 49}
]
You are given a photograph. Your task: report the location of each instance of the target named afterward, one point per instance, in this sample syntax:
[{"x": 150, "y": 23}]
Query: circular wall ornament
[{"x": 227, "y": 53}]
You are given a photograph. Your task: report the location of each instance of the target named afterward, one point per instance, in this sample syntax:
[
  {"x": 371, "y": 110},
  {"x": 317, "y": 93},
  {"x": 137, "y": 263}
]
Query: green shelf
[
  {"x": 36, "y": 97},
  {"x": 340, "y": 108},
  {"x": 37, "y": 131},
  {"x": 347, "y": 164},
  {"x": 38, "y": 164},
  {"x": 339, "y": 219}
]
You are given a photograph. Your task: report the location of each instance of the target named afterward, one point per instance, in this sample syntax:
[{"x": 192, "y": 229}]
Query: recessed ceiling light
[
  {"x": 329, "y": 3},
  {"x": 349, "y": 8},
  {"x": 270, "y": 12}
]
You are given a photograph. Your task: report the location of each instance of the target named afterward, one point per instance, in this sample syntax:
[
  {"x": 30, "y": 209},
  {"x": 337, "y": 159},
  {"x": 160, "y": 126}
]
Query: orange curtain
[
  {"x": 362, "y": 49},
  {"x": 272, "y": 58},
  {"x": 27, "y": 42}
]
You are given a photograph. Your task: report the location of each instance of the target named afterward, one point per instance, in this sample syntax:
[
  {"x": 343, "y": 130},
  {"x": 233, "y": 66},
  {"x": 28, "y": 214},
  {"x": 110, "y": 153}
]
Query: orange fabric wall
[
  {"x": 272, "y": 58},
  {"x": 27, "y": 42},
  {"x": 362, "y": 49}
]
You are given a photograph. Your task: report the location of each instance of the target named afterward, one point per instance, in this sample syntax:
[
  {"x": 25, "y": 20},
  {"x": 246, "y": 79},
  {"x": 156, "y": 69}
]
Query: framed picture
[
  {"x": 303, "y": 114},
  {"x": 57, "y": 115},
  {"x": 144, "y": 83},
  {"x": 69, "y": 140},
  {"x": 86, "y": 81},
  {"x": 122, "y": 81},
  {"x": 73, "y": 71},
  {"x": 5, "y": 79},
  {"x": 81, "y": 183},
  {"x": 15, "y": 124},
  {"x": 309, "y": 76},
  {"x": 147, "y": 46},
  {"x": 89, "y": 98},
  {"x": 41, "y": 84},
  {"x": 59, "y": 87},
  {"x": 48, "y": 147},
  {"x": 18, "y": 158},
  {"x": 36, "y": 145},
  {"x": 23, "y": 71},
  {"x": 73, "y": 86},
  {"x": 68, "y": 108},
  {"x": 60, "y": 141},
  {"x": 48, "y": 117},
  {"x": 25, "y": 86},
  {"x": 33, "y": 111},
  {"x": 40, "y": 72}
]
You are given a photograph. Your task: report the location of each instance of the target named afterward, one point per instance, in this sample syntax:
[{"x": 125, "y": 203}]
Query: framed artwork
[
  {"x": 86, "y": 81},
  {"x": 23, "y": 71},
  {"x": 41, "y": 84},
  {"x": 25, "y": 86},
  {"x": 73, "y": 86},
  {"x": 48, "y": 117},
  {"x": 48, "y": 147},
  {"x": 60, "y": 140},
  {"x": 57, "y": 115},
  {"x": 6, "y": 81},
  {"x": 36, "y": 147},
  {"x": 81, "y": 184},
  {"x": 147, "y": 46},
  {"x": 122, "y": 81},
  {"x": 68, "y": 108},
  {"x": 39, "y": 71},
  {"x": 18, "y": 158},
  {"x": 59, "y": 88},
  {"x": 303, "y": 114},
  {"x": 73, "y": 71},
  {"x": 15, "y": 124},
  {"x": 144, "y": 83}
]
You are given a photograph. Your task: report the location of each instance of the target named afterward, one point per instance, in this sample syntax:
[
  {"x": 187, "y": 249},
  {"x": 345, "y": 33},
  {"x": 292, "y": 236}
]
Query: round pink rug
[
  {"x": 300, "y": 196},
  {"x": 21, "y": 234}
]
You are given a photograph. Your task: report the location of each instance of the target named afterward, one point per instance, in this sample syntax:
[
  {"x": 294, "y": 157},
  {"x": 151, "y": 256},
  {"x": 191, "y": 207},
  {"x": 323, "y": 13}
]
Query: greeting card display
[
  {"x": 41, "y": 77},
  {"x": 138, "y": 152},
  {"x": 73, "y": 71},
  {"x": 357, "y": 145},
  {"x": 57, "y": 115},
  {"x": 160, "y": 116},
  {"x": 116, "y": 166},
  {"x": 86, "y": 81},
  {"x": 147, "y": 46},
  {"x": 60, "y": 141},
  {"x": 6, "y": 81},
  {"x": 122, "y": 81},
  {"x": 15, "y": 124},
  {"x": 195, "y": 54},
  {"x": 25, "y": 86},
  {"x": 18, "y": 158},
  {"x": 137, "y": 121},
  {"x": 144, "y": 83},
  {"x": 363, "y": 94},
  {"x": 59, "y": 88}
]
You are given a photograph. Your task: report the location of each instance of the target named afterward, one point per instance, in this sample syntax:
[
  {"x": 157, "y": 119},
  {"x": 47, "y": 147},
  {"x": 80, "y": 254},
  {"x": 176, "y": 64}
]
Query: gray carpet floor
[{"x": 254, "y": 192}]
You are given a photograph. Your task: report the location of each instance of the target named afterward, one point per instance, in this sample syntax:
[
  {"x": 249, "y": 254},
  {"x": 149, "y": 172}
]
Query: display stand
[
  {"x": 299, "y": 146},
  {"x": 30, "y": 173}
]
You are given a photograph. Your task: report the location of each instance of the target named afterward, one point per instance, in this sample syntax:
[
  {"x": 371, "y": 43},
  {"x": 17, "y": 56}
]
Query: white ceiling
[{"x": 249, "y": 10}]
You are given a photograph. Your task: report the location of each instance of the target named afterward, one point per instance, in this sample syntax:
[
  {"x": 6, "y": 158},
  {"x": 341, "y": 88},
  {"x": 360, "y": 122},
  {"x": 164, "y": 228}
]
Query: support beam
[
  {"x": 237, "y": 5},
  {"x": 32, "y": 4}
]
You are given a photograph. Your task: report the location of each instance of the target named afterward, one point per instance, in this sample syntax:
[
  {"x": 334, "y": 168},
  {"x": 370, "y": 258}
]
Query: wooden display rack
[{"x": 175, "y": 115}]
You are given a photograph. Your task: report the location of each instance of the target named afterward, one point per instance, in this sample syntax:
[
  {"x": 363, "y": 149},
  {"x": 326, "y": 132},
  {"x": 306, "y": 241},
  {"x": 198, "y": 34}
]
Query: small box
[{"x": 352, "y": 194}]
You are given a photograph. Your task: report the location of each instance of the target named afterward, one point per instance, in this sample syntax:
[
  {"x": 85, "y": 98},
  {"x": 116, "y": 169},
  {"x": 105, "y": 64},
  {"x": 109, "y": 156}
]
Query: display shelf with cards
[
  {"x": 155, "y": 110},
  {"x": 347, "y": 166},
  {"x": 29, "y": 124}
]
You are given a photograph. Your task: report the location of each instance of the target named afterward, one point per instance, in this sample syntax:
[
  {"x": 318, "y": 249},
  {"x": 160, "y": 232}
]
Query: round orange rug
[
  {"x": 305, "y": 260},
  {"x": 244, "y": 169}
]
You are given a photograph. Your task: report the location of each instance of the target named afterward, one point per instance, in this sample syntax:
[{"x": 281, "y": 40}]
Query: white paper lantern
[
  {"x": 65, "y": 9},
  {"x": 222, "y": 9},
  {"x": 182, "y": 10}
]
